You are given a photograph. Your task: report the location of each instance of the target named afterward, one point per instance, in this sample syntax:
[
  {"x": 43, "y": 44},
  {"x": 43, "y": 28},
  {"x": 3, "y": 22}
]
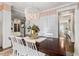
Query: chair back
[
  {"x": 13, "y": 41},
  {"x": 22, "y": 48},
  {"x": 13, "y": 44},
  {"x": 32, "y": 49}
]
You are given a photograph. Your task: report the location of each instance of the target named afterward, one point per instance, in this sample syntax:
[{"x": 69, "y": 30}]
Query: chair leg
[{"x": 15, "y": 53}]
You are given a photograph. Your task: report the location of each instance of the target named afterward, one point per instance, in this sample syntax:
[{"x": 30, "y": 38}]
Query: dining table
[{"x": 49, "y": 46}]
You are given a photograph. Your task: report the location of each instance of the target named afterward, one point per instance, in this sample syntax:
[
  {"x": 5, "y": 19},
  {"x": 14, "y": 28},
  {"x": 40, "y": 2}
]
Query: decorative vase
[{"x": 34, "y": 34}]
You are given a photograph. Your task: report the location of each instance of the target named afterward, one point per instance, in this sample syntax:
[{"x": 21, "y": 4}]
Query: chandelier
[{"x": 32, "y": 13}]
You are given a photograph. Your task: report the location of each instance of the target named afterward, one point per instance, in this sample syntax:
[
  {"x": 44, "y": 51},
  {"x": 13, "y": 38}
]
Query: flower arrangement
[
  {"x": 35, "y": 28},
  {"x": 34, "y": 31}
]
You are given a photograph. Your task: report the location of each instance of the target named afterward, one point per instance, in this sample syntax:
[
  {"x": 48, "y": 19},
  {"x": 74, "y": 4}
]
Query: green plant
[
  {"x": 29, "y": 28},
  {"x": 35, "y": 28},
  {"x": 34, "y": 31}
]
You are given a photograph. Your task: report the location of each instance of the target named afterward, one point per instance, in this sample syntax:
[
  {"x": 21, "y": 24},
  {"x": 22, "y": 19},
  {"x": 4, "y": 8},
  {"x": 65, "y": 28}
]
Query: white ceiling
[{"x": 39, "y": 5}]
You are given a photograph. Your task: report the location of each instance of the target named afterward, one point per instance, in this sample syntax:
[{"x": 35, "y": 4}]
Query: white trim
[
  {"x": 74, "y": 6},
  {"x": 62, "y": 6}
]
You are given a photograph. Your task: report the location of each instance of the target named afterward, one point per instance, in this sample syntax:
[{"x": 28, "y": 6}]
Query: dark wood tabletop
[{"x": 51, "y": 47}]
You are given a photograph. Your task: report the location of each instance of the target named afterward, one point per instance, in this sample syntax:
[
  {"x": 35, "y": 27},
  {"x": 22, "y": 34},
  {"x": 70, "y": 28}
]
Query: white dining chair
[
  {"x": 32, "y": 48},
  {"x": 14, "y": 45},
  {"x": 22, "y": 48}
]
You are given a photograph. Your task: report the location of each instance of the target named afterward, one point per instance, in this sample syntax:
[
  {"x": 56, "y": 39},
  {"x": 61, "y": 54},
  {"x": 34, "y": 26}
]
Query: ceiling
[{"x": 20, "y": 6}]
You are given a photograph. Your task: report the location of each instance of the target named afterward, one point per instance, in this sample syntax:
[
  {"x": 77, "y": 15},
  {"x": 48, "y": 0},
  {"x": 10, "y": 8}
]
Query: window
[
  {"x": 16, "y": 27},
  {"x": 17, "y": 24}
]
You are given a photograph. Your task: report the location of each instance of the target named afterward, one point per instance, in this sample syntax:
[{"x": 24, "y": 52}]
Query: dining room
[{"x": 39, "y": 29}]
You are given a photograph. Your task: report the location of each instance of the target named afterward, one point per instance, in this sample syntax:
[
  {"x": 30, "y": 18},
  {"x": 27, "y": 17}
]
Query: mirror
[{"x": 66, "y": 30}]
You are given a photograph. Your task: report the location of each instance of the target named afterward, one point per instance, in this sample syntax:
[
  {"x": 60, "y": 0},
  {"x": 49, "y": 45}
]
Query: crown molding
[{"x": 62, "y": 6}]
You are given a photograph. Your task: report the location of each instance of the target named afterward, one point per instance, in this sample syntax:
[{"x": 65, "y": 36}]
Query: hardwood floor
[{"x": 6, "y": 52}]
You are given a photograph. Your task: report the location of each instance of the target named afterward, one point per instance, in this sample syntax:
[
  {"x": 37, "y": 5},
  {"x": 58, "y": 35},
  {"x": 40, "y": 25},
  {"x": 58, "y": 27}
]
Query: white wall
[
  {"x": 77, "y": 32},
  {"x": 6, "y": 29},
  {"x": 48, "y": 25},
  {"x": 0, "y": 28}
]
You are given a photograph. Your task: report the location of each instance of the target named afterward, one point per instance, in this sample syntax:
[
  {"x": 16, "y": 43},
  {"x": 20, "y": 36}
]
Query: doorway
[{"x": 66, "y": 31}]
